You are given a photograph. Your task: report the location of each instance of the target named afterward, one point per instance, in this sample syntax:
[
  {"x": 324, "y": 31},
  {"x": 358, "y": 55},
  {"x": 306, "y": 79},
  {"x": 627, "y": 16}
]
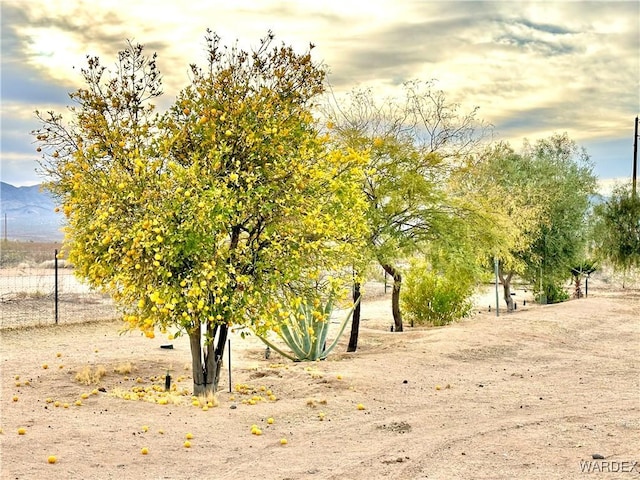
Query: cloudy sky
[{"x": 533, "y": 67}]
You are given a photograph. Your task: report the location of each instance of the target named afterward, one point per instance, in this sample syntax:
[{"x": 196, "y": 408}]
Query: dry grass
[
  {"x": 14, "y": 252},
  {"x": 123, "y": 368},
  {"x": 209, "y": 399},
  {"x": 89, "y": 376}
]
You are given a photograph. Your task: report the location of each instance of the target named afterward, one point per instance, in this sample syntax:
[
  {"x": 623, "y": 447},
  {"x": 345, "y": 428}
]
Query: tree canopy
[
  {"x": 543, "y": 193},
  {"x": 415, "y": 144},
  {"x": 201, "y": 217},
  {"x": 617, "y": 229}
]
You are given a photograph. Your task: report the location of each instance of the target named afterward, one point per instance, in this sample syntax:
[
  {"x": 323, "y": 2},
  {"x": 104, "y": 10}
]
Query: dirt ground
[{"x": 532, "y": 394}]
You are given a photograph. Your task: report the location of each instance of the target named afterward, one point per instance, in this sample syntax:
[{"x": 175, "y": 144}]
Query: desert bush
[
  {"x": 551, "y": 293},
  {"x": 433, "y": 298}
]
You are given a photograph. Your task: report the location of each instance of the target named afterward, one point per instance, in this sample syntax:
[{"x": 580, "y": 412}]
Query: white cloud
[{"x": 533, "y": 67}]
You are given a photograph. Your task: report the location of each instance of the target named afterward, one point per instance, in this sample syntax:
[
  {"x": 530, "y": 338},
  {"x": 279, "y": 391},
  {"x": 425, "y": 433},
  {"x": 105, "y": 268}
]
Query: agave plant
[{"x": 306, "y": 328}]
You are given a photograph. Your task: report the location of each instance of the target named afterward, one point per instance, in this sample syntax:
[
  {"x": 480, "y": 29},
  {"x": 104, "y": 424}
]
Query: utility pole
[{"x": 635, "y": 159}]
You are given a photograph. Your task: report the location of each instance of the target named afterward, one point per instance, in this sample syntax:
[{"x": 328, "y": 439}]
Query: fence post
[
  {"x": 55, "y": 282},
  {"x": 496, "y": 266}
]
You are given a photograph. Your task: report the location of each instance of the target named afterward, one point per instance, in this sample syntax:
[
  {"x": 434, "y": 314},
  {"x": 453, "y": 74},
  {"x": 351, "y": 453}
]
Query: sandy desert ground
[{"x": 533, "y": 394}]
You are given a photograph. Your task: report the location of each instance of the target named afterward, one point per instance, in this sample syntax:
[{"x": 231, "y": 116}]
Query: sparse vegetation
[
  {"x": 91, "y": 376},
  {"x": 123, "y": 368},
  {"x": 14, "y": 253}
]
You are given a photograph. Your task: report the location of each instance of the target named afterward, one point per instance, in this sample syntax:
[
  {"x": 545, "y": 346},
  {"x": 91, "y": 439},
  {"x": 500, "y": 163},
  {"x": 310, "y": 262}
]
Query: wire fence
[{"x": 37, "y": 288}]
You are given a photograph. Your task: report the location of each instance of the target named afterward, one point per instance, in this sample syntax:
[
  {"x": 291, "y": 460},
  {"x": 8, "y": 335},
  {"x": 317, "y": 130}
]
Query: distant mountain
[{"x": 28, "y": 214}]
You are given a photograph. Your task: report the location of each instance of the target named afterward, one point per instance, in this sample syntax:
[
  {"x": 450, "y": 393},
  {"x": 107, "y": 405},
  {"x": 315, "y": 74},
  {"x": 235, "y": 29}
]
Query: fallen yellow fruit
[
  {"x": 15, "y": 398},
  {"x": 270, "y": 420},
  {"x": 187, "y": 444},
  {"x": 145, "y": 428},
  {"x": 360, "y": 406},
  {"x": 45, "y": 366},
  {"x": 21, "y": 431},
  {"x": 189, "y": 436},
  {"x": 58, "y": 354},
  {"x": 52, "y": 459},
  {"x": 283, "y": 441},
  {"x": 438, "y": 387},
  {"x": 144, "y": 450}
]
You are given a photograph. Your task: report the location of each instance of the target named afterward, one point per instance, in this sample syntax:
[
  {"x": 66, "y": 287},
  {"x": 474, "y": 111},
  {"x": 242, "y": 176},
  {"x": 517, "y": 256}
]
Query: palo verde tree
[
  {"x": 414, "y": 144},
  {"x": 567, "y": 180},
  {"x": 215, "y": 212},
  {"x": 543, "y": 193},
  {"x": 616, "y": 229},
  {"x": 505, "y": 182}
]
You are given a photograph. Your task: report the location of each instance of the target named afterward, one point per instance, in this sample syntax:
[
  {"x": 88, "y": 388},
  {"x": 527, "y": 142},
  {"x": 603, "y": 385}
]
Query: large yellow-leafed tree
[{"x": 214, "y": 212}]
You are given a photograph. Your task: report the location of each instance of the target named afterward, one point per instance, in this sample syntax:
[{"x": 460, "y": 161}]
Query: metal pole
[
  {"x": 495, "y": 262},
  {"x": 586, "y": 287},
  {"x": 635, "y": 158},
  {"x": 55, "y": 276},
  {"x": 229, "y": 348}
]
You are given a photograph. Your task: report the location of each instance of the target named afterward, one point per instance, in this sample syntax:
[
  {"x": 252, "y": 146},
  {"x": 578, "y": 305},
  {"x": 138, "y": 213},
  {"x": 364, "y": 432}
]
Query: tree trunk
[
  {"x": 355, "y": 321},
  {"x": 395, "y": 296},
  {"x": 577, "y": 280},
  {"x": 206, "y": 360},
  {"x": 506, "y": 287}
]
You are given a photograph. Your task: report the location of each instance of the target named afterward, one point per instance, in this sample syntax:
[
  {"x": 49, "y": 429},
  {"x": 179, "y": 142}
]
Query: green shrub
[
  {"x": 434, "y": 299},
  {"x": 551, "y": 293}
]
